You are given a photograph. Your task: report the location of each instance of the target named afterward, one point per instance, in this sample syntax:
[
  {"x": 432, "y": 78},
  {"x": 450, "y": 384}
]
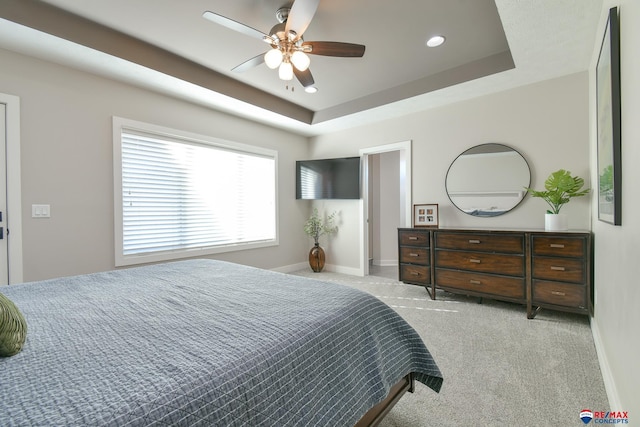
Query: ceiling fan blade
[
  {"x": 300, "y": 16},
  {"x": 304, "y": 77},
  {"x": 233, "y": 25},
  {"x": 348, "y": 50},
  {"x": 249, "y": 64}
]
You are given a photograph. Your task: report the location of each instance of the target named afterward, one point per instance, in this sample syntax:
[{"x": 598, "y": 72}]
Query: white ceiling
[{"x": 397, "y": 75}]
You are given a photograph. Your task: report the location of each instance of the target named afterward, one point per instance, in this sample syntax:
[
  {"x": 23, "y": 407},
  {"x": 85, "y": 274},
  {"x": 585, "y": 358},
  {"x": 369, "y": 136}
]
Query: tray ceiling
[{"x": 168, "y": 46}]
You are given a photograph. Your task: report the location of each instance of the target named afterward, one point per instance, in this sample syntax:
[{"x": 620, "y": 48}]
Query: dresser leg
[
  {"x": 432, "y": 296},
  {"x": 531, "y": 313}
]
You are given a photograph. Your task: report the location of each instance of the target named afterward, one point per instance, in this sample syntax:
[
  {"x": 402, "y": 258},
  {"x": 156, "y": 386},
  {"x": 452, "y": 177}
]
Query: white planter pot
[{"x": 556, "y": 222}]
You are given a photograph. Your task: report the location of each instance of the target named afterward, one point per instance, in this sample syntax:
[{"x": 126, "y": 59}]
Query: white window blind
[
  {"x": 310, "y": 186},
  {"x": 180, "y": 195}
]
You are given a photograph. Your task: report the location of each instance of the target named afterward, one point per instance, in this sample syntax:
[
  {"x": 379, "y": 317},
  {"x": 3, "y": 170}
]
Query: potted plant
[
  {"x": 316, "y": 227},
  {"x": 560, "y": 188}
]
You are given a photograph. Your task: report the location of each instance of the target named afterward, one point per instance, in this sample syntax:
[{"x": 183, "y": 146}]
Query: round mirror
[{"x": 488, "y": 180}]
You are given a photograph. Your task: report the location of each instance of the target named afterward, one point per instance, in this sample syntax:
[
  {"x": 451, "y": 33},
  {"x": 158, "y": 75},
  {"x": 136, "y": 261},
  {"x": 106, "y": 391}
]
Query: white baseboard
[
  {"x": 385, "y": 262},
  {"x": 291, "y": 268},
  {"x": 607, "y": 375},
  {"x": 328, "y": 267},
  {"x": 343, "y": 270}
]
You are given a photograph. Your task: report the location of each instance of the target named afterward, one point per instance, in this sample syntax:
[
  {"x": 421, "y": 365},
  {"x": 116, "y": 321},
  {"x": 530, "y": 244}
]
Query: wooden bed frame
[{"x": 373, "y": 417}]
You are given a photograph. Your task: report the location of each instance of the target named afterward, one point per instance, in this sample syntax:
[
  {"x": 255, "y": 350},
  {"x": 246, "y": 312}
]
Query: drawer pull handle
[
  {"x": 474, "y": 241},
  {"x": 413, "y": 238},
  {"x": 475, "y": 282},
  {"x": 414, "y": 255},
  {"x": 556, "y": 245},
  {"x": 558, "y": 293},
  {"x": 477, "y": 261},
  {"x": 415, "y": 274},
  {"x": 557, "y": 268}
]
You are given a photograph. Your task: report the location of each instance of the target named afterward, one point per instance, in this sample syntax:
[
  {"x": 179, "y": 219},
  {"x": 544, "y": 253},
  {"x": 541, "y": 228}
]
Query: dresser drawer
[
  {"x": 509, "y": 287},
  {"x": 560, "y": 269},
  {"x": 414, "y": 255},
  {"x": 415, "y": 274},
  {"x": 564, "y": 294},
  {"x": 508, "y": 265},
  {"x": 512, "y": 244},
  {"x": 414, "y": 238},
  {"x": 573, "y": 247}
]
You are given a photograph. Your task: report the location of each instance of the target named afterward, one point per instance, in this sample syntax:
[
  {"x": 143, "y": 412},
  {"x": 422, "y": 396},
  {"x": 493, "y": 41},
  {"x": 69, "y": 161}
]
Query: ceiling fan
[{"x": 289, "y": 52}]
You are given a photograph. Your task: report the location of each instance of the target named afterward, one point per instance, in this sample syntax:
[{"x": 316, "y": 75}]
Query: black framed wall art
[{"x": 609, "y": 123}]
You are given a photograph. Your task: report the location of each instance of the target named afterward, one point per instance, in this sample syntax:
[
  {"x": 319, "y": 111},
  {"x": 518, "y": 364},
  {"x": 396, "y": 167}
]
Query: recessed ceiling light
[
  {"x": 311, "y": 89},
  {"x": 435, "y": 41}
]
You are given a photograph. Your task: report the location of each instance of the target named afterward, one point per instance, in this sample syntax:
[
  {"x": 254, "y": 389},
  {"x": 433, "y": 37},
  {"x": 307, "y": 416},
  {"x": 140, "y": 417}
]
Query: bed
[{"x": 206, "y": 343}]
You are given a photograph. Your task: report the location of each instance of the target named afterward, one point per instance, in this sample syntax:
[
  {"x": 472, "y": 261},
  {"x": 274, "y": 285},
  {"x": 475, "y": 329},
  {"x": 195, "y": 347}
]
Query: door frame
[
  {"x": 404, "y": 148},
  {"x": 14, "y": 189}
]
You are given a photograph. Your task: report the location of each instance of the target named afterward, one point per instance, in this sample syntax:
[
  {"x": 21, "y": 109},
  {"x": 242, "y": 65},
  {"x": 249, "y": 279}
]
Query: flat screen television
[{"x": 328, "y": 178}]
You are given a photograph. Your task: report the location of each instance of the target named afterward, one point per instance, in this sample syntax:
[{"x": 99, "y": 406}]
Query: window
[{"x": 181, "y": 195}]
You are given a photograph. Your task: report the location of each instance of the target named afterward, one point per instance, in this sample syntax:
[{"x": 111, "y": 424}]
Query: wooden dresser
[{"x": 534, "y": 268}]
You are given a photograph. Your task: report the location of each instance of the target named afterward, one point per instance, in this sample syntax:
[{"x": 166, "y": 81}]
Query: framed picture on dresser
[{"x": 425, "y": 215}]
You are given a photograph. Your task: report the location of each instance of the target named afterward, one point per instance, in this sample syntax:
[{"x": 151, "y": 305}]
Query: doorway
[
  {"x": 4, "y": 246},
  {"x": 386, "y": 186},
  {"x": 10, "y": 196}
]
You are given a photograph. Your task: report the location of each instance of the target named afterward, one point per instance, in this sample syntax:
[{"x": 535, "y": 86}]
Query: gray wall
[
  {"x": 66, "y": 156},
  {"x": 548, "y": 122},
  {"x": 617, "y": 319}
]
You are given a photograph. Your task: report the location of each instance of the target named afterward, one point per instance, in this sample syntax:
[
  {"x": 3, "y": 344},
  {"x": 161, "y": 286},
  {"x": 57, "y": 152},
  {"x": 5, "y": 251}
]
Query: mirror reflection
[{"x": 488, "y": 180}]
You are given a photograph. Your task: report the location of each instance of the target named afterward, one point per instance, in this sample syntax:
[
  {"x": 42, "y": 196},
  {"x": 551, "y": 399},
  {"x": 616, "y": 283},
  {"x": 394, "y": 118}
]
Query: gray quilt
[{"x": 203, "y": 343}]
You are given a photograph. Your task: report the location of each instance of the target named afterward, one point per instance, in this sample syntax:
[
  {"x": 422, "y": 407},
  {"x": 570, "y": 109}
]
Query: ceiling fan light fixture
[
  {"x": 285, "y": 72},
  {"x": 273, "y": 58},
  {"x": 435, "y": 41},
  {"x": 300, "y": 60},
  {"x": 289, "y": 52}
]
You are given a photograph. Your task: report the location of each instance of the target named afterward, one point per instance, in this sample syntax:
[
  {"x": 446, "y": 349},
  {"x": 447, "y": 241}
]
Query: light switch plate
[{"x": 40, "y": 211}]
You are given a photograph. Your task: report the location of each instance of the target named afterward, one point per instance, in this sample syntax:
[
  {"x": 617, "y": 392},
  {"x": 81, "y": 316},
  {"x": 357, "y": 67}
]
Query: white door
[
  {"x": 10, "y": 194},
  {"x": 4, "y": 247}
]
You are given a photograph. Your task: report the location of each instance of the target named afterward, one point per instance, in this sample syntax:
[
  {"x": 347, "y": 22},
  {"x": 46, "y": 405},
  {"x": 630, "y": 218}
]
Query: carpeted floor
[{"x": 499, "y": 367}]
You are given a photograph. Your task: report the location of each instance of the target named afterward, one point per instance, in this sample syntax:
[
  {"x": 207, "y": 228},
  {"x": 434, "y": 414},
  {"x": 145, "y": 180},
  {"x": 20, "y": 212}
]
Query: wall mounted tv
[{"x": 328, "y": 178}]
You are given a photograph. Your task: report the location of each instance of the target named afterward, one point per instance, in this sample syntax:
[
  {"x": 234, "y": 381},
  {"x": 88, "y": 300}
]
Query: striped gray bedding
[{"x": 203, "y": 343}]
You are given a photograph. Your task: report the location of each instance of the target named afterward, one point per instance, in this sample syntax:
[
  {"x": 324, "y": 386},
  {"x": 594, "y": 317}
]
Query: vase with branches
[{"x": 315, "y": 227}]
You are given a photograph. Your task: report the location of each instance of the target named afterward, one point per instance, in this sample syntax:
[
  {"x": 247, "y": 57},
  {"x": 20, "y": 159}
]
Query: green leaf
[
  {"x": 560, "y": 187},
  {"x": 316, "y": 227}
]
